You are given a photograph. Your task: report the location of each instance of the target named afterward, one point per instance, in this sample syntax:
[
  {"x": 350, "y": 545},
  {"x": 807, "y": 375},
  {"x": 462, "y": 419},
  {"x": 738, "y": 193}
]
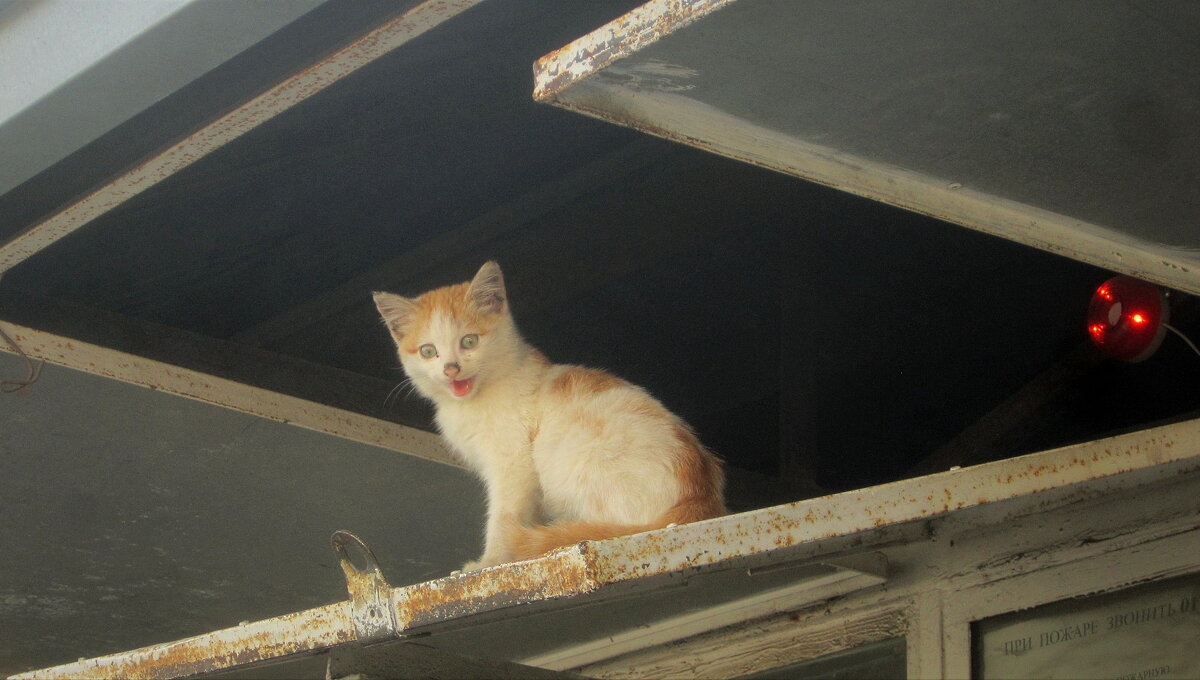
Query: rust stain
[
  {"x": 282, "y": 636},
  {"x": 619, "y": 38},
  {"x": 563, "y": 573},
  {"x": 591, "y": 567}
]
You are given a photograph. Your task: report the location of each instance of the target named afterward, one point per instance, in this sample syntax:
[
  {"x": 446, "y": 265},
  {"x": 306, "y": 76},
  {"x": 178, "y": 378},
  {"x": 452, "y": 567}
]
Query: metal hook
[{"x": 371, "y": 607}]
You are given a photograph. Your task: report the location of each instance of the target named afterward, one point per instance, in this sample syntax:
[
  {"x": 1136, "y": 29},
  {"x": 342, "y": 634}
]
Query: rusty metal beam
[
  {"x": 249, "y": 643},
  {"x": 988, "y": 436},
  {"x": 818, "y": 583},
  {"x": 618, "y": 38},
  {"x": 364, "y": 392},
  {"x": 228, "y": 393},
  {"x": 572, "y": 78},
  {"x": 231, "y": 126},
  {"x": 398, "y": 660},
  {"x": 793, "y": 533},
  {"x": 788, "y": 532},
  {"x": 1161, "y": 452},
  {"x": 699, "y": 125}
]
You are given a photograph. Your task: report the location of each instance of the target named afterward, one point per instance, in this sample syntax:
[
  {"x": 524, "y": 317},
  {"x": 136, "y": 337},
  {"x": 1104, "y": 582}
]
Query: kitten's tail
[{"x": 528, "y": 542}]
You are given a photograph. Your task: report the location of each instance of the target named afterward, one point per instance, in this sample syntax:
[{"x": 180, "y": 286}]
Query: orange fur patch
[
  {"x": 452, "y": 300},
  {"x": 529, "y": 542},
  {"x": 581, "y": 379},
  {"x": 650, "y": 408},
  {"x": 701, "y": 478}
]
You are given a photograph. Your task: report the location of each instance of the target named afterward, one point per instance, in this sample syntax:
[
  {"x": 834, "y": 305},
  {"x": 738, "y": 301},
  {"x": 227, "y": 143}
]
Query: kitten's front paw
[
  {"x": 469, "y": 566},
  {"x": 476, "y": 565}
]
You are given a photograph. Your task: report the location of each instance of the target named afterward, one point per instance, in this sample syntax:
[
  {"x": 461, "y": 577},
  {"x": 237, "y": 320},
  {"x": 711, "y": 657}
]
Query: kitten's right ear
[
  {"x": 396, "y": 310},
  {"x": 487, "y": 289}
]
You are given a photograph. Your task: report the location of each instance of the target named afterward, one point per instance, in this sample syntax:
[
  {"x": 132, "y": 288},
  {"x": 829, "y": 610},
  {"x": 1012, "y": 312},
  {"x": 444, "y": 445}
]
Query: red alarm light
[{"x": 1127, "y": 318}]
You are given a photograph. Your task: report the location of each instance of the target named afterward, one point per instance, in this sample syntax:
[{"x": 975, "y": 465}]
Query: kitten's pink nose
[{"x": 451, "y": 370}]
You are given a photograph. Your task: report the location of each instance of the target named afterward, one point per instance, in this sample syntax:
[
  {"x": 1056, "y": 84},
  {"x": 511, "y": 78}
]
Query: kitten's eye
[
  {"x": 428, "y": 351},
  {"x": 469, "y": 341}
]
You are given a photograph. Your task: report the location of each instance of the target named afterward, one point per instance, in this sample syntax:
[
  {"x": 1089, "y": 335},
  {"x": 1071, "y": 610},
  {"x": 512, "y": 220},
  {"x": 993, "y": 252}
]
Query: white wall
[{"x": 71, "y": 70}]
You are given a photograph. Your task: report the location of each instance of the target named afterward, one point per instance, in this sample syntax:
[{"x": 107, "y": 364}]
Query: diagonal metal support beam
[
  {"x": 228, "y": 393},
  {"x": 231, "y": 126}
]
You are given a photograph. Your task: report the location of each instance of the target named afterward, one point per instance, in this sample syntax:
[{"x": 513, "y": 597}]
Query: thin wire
[
  {"x": 1181, "y": 335},
  {"x": 35, "y": 372}
]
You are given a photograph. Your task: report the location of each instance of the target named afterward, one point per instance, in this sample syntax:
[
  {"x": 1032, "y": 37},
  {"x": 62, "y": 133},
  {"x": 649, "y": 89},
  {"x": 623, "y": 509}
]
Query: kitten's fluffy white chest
[{"x": 484, "y": 432}]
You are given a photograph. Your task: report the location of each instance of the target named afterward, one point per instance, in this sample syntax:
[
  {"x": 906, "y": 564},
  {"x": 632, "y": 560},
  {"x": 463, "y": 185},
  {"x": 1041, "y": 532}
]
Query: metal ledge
[
  {"x": 659, "y": 576},
  {"x": 1059, "y": 126}
]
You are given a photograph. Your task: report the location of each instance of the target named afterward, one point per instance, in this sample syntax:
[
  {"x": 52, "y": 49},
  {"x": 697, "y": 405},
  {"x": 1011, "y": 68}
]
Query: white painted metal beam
[
  {"x": 231, "y": 126},
  {"x": 681, "y": 119},
  {"x": 586, "y": 76},
  {"x": 86, "y": 67},
  {"x": 794, "y": 533},
  {"x": 619, "y": 38},
  {"x": 222, "y": 392},
  {"x": 806, "y": 590}
]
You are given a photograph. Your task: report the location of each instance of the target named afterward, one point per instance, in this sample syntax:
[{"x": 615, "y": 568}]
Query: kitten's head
[{"x": 452, "y": 340}]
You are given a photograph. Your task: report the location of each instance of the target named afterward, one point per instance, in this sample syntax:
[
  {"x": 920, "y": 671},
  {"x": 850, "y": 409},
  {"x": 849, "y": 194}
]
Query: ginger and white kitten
[{"x": 589, "y": 453}]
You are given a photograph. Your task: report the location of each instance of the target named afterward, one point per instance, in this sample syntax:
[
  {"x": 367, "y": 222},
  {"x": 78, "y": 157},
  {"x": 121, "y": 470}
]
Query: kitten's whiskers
[{"x": 399, "y": 392}]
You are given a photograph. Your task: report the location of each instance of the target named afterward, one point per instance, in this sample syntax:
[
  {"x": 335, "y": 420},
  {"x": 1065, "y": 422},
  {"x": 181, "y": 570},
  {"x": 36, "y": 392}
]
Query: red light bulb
[{"x": 1127, "y": 318}]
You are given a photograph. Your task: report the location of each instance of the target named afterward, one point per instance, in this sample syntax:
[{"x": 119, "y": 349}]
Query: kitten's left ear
[{"x": 486, "y": 291}]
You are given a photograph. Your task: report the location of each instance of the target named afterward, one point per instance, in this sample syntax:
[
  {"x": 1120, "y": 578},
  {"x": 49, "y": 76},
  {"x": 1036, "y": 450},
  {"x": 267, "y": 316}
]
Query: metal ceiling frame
[
  {"x": 231, "y": 126},
  {"x": 619, "y": 38},
  {"x": 796, "y": 533},
  {"x": 175, "y": 158},
  {"x": 792, "y": 533},
  {"x": 565, "y": 78},
  {"x": 108, "y": 66},
  {"x": 227, "y": 393}
]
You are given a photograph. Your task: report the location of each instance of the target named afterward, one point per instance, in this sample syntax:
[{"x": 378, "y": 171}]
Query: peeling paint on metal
[
  {"x": 573, "y": 78},
  {"x": 229, "y": 394},
  {"x": 224, "y": 130},
  {"x": 370, "y": 604},
  {"x": 619, "y": 38},
  {"x": 602, "y": 568},
  {"x": 564, "y": 573},
  {"x": 681, "y": 119},
  {"x": 592, "y": 567},
  {"x": 814, "y": 520},
  {"x": 306, "y": 631}
]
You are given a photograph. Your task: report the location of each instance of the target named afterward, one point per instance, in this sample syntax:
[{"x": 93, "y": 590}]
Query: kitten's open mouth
[{"x": 462, "y": 388}]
